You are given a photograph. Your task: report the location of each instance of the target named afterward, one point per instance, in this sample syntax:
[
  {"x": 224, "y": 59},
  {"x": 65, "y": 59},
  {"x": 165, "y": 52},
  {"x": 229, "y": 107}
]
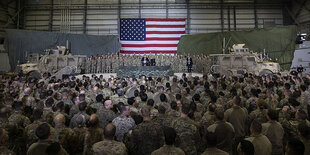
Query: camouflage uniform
[
  {"x": 115, "y": 64},
  {"x": 123, "y": 124},
  {"x": 109, "y": 147},
  {"x": 88, "y": 66},
  {"x": 39, "y": 148},
  {"x": 103, "y": 65},
  {"x": 168, "y": 150},
  {"x": 163, "y": 120},
  {"x": 188, "y": 133},
  {"x": 94, "y": 135},
  {"x": 108, "y": 64},
  {"x": 6, "y": 151},
  {"x": 274, "y": 132},
  {"x": 30, "y": 132},
  {"x": 105, "y": 116},
  {"x": 99, "y": 65},
  {"x": 64, "y": 136},
  {"x": 261, "y": 144},
  {"x": 48, "y": 115},
  {"x": 18, "y": 119},
  {"x": 97, "y": 105},
  {"x": 95, "y": 65},
  {"x": 145, "y": 138},
  {"x": 79, "y": 139},
  {"x": 259, "y": 115}
]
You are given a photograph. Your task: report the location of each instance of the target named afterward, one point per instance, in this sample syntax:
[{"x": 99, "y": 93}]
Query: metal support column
[
  {"x": 119, "y": 17},
  {"x": 85, "y": 16},
  {"x": 235, "y": 20},
  {"x": 228, "y": 17},
  {"x": 255, "y": 15},
  {"x": 18, "y": 13},
  {"x": 139, "y": 8},
  {"x": 222, "y": 15},
  {"x": 188, "y": 19},
  {"x": 167, "y": 10},
  {"x": 50, "y": 23}
]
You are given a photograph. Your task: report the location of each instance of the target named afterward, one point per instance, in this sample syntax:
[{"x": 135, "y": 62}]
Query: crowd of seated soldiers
[{"x": 155, "y": 115}]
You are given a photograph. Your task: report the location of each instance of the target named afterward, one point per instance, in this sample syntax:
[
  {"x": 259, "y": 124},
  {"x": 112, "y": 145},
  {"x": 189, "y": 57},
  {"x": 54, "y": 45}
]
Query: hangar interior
[{"x": 101, "y": 17}]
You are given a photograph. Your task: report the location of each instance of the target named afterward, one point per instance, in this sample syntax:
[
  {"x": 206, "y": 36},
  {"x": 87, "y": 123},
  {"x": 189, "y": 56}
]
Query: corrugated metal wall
[
  {"x": 303, "y": 17},
  {"x": 7, "y": 17},
  {"x": 99, "y": 17}
]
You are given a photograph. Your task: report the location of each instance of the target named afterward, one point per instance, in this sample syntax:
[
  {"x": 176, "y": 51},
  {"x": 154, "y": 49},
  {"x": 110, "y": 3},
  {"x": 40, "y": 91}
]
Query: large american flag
[{"x": 150, "y": 35}]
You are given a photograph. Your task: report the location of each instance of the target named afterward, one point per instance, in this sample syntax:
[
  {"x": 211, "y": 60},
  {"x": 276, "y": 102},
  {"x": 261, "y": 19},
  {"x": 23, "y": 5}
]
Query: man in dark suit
[
  {"x": 189, "y": 63},
  {"x": 144, "y": 61}
]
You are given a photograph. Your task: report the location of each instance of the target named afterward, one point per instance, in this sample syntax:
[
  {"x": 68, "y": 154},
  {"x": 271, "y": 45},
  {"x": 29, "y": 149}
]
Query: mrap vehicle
[{"x": 240, "y": 59}]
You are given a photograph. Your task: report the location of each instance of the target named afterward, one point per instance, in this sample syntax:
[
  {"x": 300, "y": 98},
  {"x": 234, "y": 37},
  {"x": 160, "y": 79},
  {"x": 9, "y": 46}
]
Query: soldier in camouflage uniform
[
  {"x": 79, "y": 136},
  {"x": 108, "y": 61},
  {"x": 187, "y": 131},
  {"x": 42, "y": 132},
  {"x": 169, "y": 148},
  {"x": 123, "y": 123},
  {"x": 3, "y": 138},
  {"x": 31, "y": 128},
  {"x": 17, "y": 118},
  {"x": 290, "y": 124},
  {"x": 103, "y": 63},
  {"x": 109, "y": 145},
  {"x": 94, "y": 133},
  {"x": 91, "y": 64},
  {"x": 163, "y": 119},
  {"x": 88, "y": 66},
  {"x": 82, "y": 112},
  {"x": 145, "y": 137},
  {"x": 99, "y": 65},
  {"x": 116, "y": 62},
  {"x": 184, "y": 62},
  {"x": 105, "y": 114},
  {"x": 63, "y": 135}
]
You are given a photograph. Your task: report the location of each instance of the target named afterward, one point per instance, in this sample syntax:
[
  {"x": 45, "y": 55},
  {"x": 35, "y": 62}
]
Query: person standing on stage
[
  {"x": 144, "y": 61},
  {"x": 189, "y": 63}
]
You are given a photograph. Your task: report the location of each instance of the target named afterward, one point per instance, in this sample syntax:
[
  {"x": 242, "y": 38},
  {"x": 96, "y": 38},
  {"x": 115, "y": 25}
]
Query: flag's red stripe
[
  {"x": 142, "y": 52},
  {"x": 149, "y": 45},
  {"x": 165, "y": 32},
  {"x": 165, "y": 26},
  {"x": 162, "y": 39},
  {"x": 165, "y": 19}
]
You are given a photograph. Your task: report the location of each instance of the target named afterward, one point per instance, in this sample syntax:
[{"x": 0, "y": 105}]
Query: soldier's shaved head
[
  {"x": 59, "y": 119},
  {"x": 109, "y": 131}
]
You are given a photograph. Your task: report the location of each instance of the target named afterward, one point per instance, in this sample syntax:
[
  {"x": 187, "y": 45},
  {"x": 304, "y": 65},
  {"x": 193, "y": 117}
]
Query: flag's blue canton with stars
[{"x": 132, "y": 29}]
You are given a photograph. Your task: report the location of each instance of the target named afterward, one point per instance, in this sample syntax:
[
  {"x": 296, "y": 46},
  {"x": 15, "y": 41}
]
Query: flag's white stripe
[
  {"x": 163, "y": 35},
  {"x": 165, "y": 29},
  {"x": 149, "y": 42},
  {"x": 164, "y": 23},
  {"x": 149, "y": 49}
]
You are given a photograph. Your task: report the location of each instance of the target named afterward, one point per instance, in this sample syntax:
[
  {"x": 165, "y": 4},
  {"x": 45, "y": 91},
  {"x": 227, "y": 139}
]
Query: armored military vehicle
[
  {"x": 57, "y": 61},
  {"x": 240, "y": 59}
]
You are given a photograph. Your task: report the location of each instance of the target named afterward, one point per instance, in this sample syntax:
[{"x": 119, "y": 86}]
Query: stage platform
[{"x": 137, "y": 71}]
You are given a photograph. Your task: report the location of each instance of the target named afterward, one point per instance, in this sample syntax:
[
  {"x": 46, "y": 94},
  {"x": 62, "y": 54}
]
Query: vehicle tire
[
  {"x": 35, "y": 74},
  {"x": 228, "y": 73},
  {"x": 265, "y": 71}
]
